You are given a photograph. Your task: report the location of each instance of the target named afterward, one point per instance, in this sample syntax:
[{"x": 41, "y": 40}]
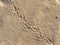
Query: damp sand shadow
[{"x": 6, "y": 1}]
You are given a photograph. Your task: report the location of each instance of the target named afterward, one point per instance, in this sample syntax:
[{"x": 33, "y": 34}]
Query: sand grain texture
[{"x": 29, "y": 22}]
